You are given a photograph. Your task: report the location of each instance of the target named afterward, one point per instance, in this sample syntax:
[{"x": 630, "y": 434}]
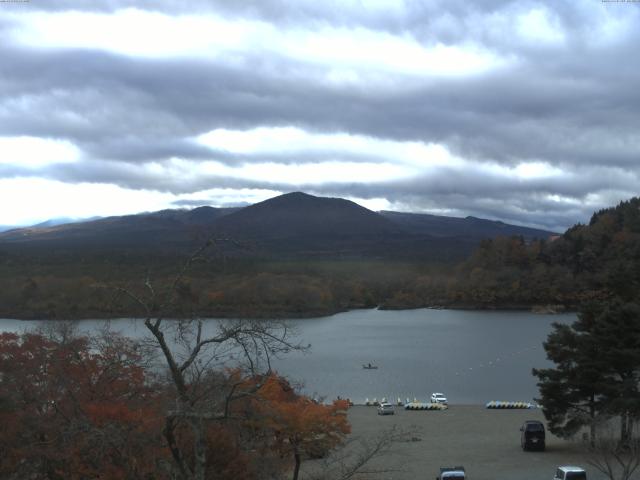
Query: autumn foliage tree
[
  {"x": 301, "y": 427},
  {"x": 75, "y": 409}
]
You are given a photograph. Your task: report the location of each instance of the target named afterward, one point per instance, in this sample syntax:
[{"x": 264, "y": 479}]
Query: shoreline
[{"x": 312, "y": 314}]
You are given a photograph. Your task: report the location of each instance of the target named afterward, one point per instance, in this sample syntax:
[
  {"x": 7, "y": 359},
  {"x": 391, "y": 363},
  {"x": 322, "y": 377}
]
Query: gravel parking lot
[{"x": 486, "y": 442}]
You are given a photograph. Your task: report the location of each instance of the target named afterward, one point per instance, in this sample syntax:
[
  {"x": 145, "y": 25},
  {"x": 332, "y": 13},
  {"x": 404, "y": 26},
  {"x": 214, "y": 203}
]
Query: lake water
[{"x": 471, "y": 356}]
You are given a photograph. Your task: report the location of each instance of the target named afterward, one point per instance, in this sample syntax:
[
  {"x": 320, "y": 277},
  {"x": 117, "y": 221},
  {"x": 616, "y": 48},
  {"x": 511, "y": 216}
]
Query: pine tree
[
  {"x": 597, "y": 373},
  {"x": 571, "y": 393}
]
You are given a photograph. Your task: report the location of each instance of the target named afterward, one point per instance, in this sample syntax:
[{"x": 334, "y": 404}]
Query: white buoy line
[{"x": 496, "y": 362}]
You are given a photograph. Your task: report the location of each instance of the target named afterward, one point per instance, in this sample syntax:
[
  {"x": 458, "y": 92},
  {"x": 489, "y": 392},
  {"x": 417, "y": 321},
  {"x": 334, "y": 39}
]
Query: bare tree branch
[
  {"x": 203, "y": 395},
  {"x": 611, "y": 457},
  {"x": 356, "y": 457}
]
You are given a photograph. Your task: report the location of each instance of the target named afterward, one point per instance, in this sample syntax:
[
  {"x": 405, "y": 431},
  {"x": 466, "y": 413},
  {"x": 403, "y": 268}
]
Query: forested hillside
[{"x": 588, "y": 261}]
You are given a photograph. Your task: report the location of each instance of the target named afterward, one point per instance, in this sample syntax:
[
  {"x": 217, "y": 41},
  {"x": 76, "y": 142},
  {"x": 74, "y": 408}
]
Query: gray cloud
[
  {"x": 192, "y": 203},
  {"x": 143, "y": 109},
  {"x": 573, "y": 105},
  {"x": 208, "y": 202},
  {"x": 134, "y": 177}
]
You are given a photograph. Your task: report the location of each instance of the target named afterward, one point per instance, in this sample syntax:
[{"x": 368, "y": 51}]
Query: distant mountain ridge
[
  {"x": 162, "y": 229},
  {"x": 53, "y": 222},
  {"x": 295, "y": 224},
  {"x": 443, "y": 226}
]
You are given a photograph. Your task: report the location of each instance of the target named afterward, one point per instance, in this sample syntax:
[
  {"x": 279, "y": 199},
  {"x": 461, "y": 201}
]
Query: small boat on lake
[{"x": 370, "y": 367}]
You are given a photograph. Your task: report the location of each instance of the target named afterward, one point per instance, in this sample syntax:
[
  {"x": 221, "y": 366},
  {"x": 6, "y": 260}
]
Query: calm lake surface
[{"x": 471, "y": 356}]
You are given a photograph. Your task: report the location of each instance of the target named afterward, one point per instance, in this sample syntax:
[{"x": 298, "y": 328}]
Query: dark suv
[{"x": 532, "y": 436}]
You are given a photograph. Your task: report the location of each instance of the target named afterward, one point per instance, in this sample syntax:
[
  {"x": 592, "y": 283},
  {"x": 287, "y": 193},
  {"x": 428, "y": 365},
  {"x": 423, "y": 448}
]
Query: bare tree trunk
[
  {"x": 199, "y": 449},
  {"x": 624, "y": 428},
  {"x": 592, "y": 426},
  {"x": 168, "y": 432},
  {"x": 296, "y": 469}
]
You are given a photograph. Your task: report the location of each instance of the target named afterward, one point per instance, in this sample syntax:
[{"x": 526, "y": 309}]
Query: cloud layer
[{"x": 525, "y": 111}]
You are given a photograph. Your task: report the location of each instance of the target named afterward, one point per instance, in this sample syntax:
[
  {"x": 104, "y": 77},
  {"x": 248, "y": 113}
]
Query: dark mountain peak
[
  {"x": 292, "y": 196},
  {"x": 293, "y": 199},
  {"x": 301, "y": 200},
  {"x": 299, "y": 214}
]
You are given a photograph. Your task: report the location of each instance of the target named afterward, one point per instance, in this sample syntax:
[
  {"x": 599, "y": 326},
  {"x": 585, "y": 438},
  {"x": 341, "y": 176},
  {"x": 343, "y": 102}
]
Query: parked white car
[
  {"x": 386, "y": 409},
  {"x": 452, "y": 473},
  {"x": 570, "y": 473},
  {"x": 438, "y": 398}
]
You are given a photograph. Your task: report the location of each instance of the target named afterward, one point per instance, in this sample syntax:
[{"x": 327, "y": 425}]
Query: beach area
[{"x": 485, "y": 441}]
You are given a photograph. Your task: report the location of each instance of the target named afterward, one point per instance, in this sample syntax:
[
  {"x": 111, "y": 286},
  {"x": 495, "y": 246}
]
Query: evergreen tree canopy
[{"x": 597, "y": 372}]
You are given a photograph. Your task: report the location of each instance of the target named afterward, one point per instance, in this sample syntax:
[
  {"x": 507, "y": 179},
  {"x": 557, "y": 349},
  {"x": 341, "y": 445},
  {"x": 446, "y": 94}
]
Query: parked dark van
[{"x": 532, "y": 435}]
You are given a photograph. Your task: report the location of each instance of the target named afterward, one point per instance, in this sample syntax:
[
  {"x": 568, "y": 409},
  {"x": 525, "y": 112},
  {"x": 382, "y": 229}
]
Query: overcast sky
[{"x": 523, "y": 111}]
